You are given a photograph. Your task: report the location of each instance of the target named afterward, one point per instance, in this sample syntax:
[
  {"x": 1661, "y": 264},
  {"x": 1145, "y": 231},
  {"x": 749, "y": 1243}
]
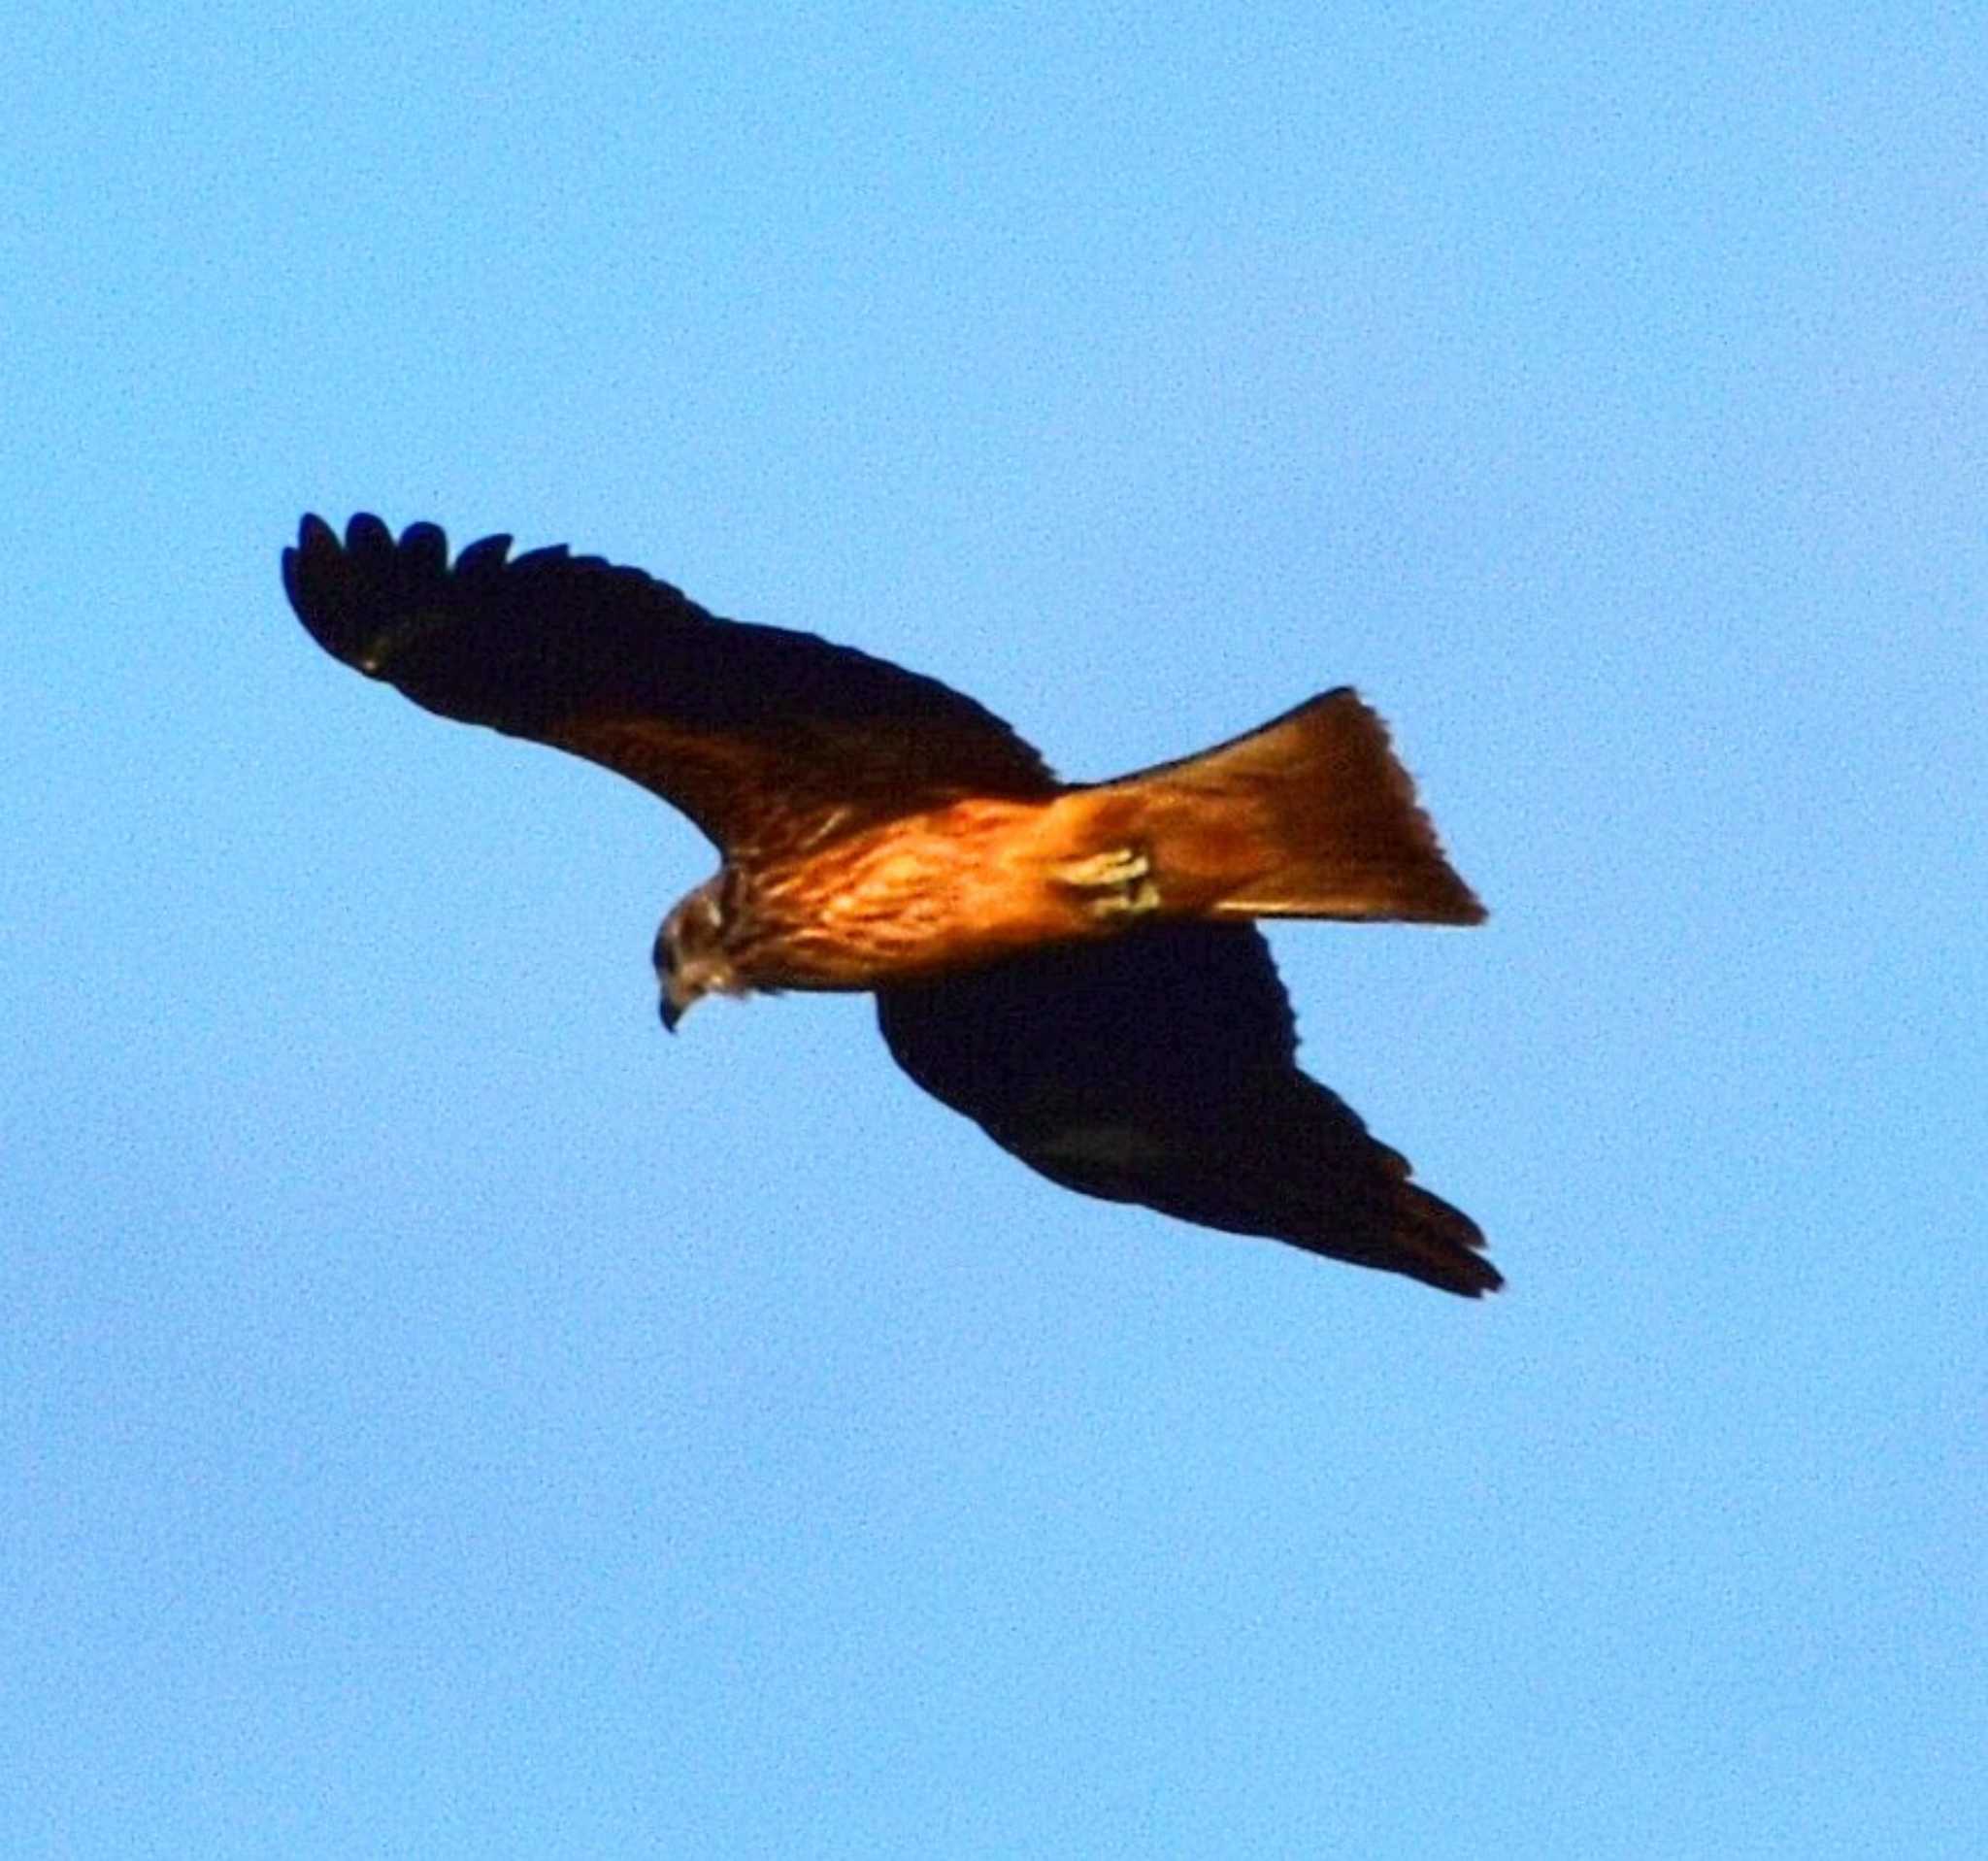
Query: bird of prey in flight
[{"x": 1073, "y": 966}]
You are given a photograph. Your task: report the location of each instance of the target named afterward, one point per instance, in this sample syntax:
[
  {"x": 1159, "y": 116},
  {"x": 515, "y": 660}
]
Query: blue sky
[{"x": 440, "y": 1415}]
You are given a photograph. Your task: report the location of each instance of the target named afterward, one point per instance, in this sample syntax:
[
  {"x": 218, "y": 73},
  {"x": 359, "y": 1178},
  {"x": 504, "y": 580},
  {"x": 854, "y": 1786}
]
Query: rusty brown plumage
[{"x": 1070, "y": 965}]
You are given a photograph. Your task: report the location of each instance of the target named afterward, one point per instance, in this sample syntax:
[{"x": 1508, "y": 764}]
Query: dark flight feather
[
  {"x": 1161, "y": 1067},
  {"x": 756, "y": 733}
]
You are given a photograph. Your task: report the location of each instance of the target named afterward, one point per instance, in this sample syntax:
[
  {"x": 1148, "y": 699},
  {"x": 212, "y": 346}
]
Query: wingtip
[
  {"x": 1446, "y": 1267},
  {"x": 367, "y": 535},
  {"x": 1468, "y": 908},
  {"x": 1480, "y": 1280},
  {"x": 484, "y": 556},
  {"x": 346, "y": 590},
  {"x": 1443, "y": 1246},
  {"x": 423, "y": 551}
]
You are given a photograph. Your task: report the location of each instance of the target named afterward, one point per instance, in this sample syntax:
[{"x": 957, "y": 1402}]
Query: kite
[{"x": 1076, "y": 966}]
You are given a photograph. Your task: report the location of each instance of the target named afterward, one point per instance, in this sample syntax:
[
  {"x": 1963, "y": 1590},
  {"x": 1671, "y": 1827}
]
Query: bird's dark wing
[
  {"x": 1161, "y": 1067},
  {"x": 763, "y": 737}
]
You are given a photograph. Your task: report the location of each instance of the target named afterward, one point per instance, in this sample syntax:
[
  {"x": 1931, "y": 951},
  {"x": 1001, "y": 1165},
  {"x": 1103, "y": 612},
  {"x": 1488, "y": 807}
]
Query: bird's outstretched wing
[
  {"x": 763, "y": 737},
  {"x": 1161, "y": 1067}
]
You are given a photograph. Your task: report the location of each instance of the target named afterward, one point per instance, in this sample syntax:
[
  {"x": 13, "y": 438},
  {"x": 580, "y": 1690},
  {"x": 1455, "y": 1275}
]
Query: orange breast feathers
[{"x": 947, "y": 889}]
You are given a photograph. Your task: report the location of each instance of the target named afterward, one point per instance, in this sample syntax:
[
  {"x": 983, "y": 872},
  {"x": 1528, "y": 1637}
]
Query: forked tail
[{"x": 1310, "y": 816}]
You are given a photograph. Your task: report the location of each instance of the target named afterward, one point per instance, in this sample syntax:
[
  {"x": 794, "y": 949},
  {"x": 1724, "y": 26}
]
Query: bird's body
[
  {"x": 946, "y": 888},
  {"x": 1070, "y": 965}
]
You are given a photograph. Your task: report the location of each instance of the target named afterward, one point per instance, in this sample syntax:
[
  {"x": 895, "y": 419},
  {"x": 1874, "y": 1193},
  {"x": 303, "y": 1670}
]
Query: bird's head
[{"x": 690, "y": 955}]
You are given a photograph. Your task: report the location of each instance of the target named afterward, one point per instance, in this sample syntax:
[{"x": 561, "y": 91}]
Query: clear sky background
[{"x": 441, "y": 1415}]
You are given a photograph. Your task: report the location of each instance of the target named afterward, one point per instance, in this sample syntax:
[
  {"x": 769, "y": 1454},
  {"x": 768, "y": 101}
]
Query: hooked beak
[{"x": 677, "y": 1000}]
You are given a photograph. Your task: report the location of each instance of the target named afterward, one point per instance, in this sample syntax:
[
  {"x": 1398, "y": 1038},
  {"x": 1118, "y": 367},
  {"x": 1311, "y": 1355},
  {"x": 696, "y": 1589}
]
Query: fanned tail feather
[{"x": 1311, "y": 816}]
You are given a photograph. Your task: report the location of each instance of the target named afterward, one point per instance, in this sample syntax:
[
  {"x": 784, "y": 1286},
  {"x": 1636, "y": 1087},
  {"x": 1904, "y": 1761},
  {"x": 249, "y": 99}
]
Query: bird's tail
[{"x": 1310, "y": 815}]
